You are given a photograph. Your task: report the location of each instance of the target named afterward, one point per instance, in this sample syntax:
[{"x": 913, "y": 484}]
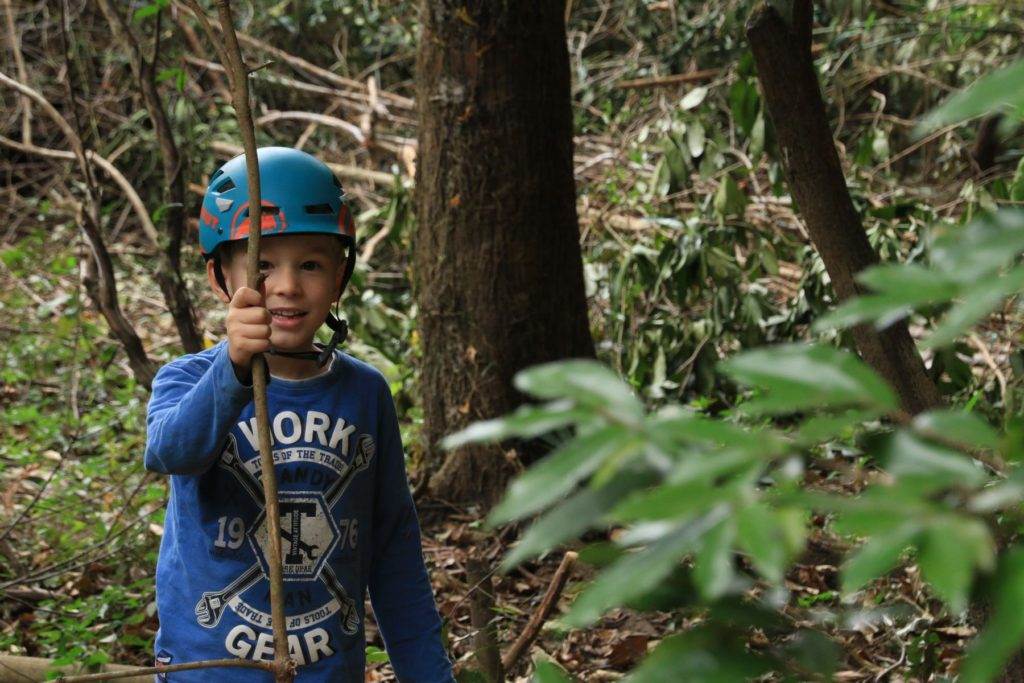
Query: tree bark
[
  {"x": 498, "y": 270},
  {"x": 793, "y": 98}
]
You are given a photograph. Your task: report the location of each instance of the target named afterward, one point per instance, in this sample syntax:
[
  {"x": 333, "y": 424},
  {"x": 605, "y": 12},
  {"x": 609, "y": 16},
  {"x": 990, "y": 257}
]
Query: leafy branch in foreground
[{"x": 712, "y": 512}]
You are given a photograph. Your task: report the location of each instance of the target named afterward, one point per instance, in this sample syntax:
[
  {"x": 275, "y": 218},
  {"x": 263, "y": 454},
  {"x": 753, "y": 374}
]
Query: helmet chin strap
[{"x": 339, "y": 330}]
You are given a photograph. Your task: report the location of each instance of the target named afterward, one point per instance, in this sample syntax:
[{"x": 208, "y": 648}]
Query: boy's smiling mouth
[{"x": 287, "y": 317}]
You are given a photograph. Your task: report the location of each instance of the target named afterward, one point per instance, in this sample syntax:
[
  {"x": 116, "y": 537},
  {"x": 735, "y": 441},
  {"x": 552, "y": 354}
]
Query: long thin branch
[
  {"x": 187, "y": 666},
  {"x": 19, "y": 63},
  {"x": 238, "y": 75},
  {"x": 323, "y": 119},
  {"x": 169, "y": 268},
  {"x": 138, "y": 206},
  {"x": 548, "y": 602}
]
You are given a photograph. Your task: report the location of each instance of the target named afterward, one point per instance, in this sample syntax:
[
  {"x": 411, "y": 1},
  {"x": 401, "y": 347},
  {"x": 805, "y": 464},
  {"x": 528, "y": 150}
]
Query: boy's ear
[{"x": 211, "y": 275}]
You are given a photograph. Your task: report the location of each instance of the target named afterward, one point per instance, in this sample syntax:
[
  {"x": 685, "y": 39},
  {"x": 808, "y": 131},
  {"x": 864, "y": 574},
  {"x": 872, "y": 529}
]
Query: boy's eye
[
  {"x": 310, "y": 265},
  {"x": 264, "y": 265}
]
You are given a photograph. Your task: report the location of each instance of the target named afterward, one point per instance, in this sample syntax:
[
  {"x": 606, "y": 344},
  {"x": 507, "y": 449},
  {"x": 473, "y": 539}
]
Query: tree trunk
[
  {"x": 498, "y": 272},
  {"x": 782, "y": 54}
]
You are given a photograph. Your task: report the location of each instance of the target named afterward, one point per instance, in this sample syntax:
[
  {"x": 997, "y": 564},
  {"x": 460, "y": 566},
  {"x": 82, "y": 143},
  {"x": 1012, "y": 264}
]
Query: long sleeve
[
  {"x": 194, "y": 404},
  {"x": 400, "y": 590}
]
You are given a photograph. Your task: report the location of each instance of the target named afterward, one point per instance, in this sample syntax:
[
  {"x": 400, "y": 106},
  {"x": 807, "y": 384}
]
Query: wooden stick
[
  {"x": 19, "y": 63},
  {"x": 238, "y": 76},
  {"x": 284, "y": 666},
  {"x": 145, "y": 673},
  {"x": 540, "y": 616},
  {"x": 673, "y": 79}
]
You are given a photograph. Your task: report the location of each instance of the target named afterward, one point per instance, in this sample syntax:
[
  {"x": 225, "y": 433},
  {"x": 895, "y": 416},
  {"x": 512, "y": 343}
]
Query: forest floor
[{"x": 877, "y": 644}]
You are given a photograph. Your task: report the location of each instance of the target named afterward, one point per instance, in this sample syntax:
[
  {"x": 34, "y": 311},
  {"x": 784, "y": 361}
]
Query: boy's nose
[{"x": 284, "y": 281}]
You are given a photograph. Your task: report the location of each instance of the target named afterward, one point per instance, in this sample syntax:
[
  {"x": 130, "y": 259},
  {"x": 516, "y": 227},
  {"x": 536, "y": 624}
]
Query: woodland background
[{"x": 670, "y": 176}]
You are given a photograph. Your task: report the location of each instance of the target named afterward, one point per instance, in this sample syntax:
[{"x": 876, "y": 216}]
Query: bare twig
[
  {"x": 188, "y": 666},
  {"x": 168, "y": 273},
  {"x": 19, "y": 63},
  {"x": 141, "y": 213},
  {"x": 673, "y": 79},
  {"x": 533, "y": 626},
  {"x": 332, "y": 121}
]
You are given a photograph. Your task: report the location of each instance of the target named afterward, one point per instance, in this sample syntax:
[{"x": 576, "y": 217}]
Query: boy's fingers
[
  {"x": 246, "y": 331},
  {"x": 255, "y": 345},
  {"x": 251, "y": 315},
  {"x": 246, "y": 297}
]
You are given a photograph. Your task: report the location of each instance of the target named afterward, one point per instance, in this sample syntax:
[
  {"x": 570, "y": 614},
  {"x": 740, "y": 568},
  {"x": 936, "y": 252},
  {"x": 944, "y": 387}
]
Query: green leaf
[
  {"x": 978, "y": 301},
  {"x": 878, "y": 555},
  {"x": 897, "y": 289},
  {"x": 743, "y": 103},
  {"x": 547, "y": 672},
  {"x": 673, "y": 501},
  {"x": 673, "y": 425},
  {"x": 1004, "y": 630},
  {"x": 571, "y": 518},
  {"x": 948, "y": 554},
  {"x": 906, "y": 455},
  {"x": 815, "y": 652},
  {"x": 699, "y": 656},
  {"x": 150, "y": 9},
  {"x": 526, "y": 422},
  {"x": 988, "y": 243},
  {"x": 729, "y": 200},
  {"x": 587, "y": 382},
  {"x": 375, "y": 655},
  {"x": 989, "y": 93},
  {"x": 1017, "y": 184},
  {"x": 712, "y": 566},
  {"x": 957, "y": 426},
  {"x": 770, "y": 537},
  {"x": 803, "y": 377},
  {"x": 558, "y": 473},
  {"x": 883, "y": 308},
  {"x": 999, "y": 496},
  {"x": 639, "y": 572},
  {"x": 821, "y": 428},
  {"x": 917, "y": 283}
]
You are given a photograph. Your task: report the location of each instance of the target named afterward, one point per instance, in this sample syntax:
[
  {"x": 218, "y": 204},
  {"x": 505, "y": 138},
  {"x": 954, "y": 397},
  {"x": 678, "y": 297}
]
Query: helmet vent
[
  {"x": 228, "y": 184},
  {"x": 319, "y": 209},
  {"x": 267, "y": 210},
  {"x": 218, "y": 174}
]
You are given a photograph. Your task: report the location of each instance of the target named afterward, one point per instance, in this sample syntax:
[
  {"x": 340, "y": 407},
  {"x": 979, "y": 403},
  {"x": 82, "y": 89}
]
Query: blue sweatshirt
[{"x": 348, "y": 524}]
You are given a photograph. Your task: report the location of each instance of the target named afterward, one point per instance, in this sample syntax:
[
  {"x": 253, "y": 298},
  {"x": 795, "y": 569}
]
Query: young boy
[{"x": 348, "y": 522}]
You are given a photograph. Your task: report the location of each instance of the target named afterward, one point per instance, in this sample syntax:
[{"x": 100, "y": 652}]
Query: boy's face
[{"x": 304, "y": 274}]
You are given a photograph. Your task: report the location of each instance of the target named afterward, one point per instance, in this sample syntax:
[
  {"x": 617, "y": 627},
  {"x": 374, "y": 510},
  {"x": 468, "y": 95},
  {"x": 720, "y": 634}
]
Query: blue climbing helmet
[{"x": 299, "y": 194}]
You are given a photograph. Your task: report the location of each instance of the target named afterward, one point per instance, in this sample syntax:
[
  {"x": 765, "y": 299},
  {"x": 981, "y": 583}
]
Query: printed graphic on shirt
[
  {"x": 163, "y": 658},
  {"x": 310, "y": 533}
]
